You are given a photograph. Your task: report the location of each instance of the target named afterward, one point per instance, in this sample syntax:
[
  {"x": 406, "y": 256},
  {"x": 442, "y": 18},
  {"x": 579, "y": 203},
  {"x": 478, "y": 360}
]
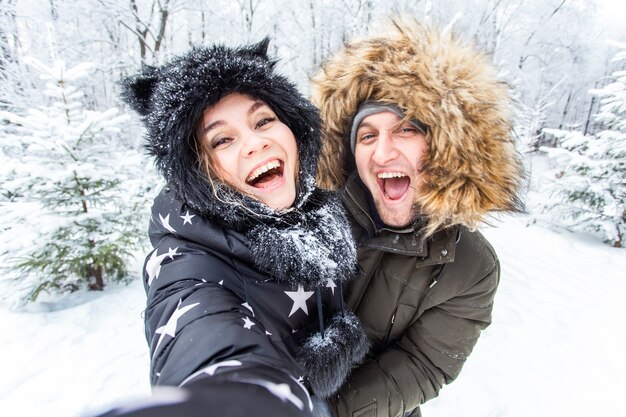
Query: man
[{"x": 418, "y": 139}]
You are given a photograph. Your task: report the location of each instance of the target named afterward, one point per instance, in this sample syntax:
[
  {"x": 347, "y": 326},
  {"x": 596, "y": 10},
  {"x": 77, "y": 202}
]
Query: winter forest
[
  {"x": 76, "y": 188},
  {"x": 74, "y": 183}
]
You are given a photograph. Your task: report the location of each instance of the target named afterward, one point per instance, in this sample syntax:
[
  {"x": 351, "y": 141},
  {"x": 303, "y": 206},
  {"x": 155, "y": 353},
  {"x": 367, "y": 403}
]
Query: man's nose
[{"x": 385, "y": 150}]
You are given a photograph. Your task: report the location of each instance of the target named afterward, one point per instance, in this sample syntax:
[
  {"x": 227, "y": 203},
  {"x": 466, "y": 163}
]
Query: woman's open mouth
[
  {"x": 267, "y": 175},
  {"x": 393, "y": 185}
]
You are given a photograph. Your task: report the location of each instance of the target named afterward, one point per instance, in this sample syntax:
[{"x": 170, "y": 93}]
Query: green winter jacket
[
  {"x": 423, "y": 303},
  {"x": 425, "y": 293}
]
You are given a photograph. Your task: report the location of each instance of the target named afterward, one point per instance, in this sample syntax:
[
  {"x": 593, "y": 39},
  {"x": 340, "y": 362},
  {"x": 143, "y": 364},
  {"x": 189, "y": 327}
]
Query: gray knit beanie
[{"x": 368, "y": 108}]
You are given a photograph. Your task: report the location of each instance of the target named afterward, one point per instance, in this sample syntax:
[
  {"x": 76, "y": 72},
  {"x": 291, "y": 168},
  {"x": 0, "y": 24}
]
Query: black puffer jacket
[
  {"x": 236, "y": 290},
  {"x": 208, "y": 302}
]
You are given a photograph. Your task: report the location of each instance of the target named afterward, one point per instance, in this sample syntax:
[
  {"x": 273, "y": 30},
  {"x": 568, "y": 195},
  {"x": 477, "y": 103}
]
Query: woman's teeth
[{"x": 262, "y": 169}]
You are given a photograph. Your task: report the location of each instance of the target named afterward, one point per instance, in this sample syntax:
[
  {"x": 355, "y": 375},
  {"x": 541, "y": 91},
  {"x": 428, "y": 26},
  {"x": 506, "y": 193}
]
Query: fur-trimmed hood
[
  {"x": 171, "y": 100},
  {"x": 473, "y": 166}
]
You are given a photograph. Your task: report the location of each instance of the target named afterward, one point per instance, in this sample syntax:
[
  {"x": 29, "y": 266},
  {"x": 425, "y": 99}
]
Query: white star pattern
[
  {"x": 172, "y": 252},
  {"x": 267, "y": 333},
  {"x": 170, "y": 327},
  {"x": 165, "y": 221},
  {"x": 281, "y": 391},
  {"x": 153, "y": 266},
  {"x": 331, "y": 284},
  {"x": 246, "y": 305},
  {"x": 221, "y": 283},
  {"x": 247, "y": 323},
  {"x": 299, "y": 298},
  {"x": 187, "y": 218},
  {"x": 300, "y": 382},
  {"x": 210, "y": 370}
]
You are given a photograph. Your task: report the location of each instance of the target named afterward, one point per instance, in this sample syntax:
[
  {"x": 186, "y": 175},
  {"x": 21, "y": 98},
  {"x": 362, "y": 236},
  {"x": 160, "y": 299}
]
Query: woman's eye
[
  {"x": 220, "y": 141},
  {"x": 264, "y": 121}
]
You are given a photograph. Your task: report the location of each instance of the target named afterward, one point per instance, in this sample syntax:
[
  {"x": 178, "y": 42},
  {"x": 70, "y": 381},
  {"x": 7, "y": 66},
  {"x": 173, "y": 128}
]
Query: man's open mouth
[
  {"x": 393, "y": 184},
  {"x": 266, "y": 175}
]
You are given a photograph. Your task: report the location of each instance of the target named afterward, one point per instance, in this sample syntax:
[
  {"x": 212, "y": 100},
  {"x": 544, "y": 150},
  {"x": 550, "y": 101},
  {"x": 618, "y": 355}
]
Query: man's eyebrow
[
  {"x": 371, "y": 126},
  {"x": 364, "y": 124}
]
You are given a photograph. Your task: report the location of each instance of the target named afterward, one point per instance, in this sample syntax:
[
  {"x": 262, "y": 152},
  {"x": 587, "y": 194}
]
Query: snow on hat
[
  {"x": 172, "y": 98},
  {"x": 373, "y": 107}
]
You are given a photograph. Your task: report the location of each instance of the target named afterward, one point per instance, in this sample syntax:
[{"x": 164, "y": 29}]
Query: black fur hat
[{"x": 172, "y": 98}]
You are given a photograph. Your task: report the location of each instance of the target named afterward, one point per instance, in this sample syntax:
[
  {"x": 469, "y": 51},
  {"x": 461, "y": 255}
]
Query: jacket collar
[{"x": 439, "y": 248}]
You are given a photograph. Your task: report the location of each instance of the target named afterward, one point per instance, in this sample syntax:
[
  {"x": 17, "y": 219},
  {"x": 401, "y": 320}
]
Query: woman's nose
[{"x": 254, "y": 143}]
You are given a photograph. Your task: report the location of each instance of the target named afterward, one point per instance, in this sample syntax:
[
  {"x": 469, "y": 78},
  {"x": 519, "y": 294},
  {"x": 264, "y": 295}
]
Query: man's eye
[
  {"x": 264, "y": 121},
  {"x": 408, "y": 131},
  {"x": 220, "y": 142},
  {"x": 367, "y": 137}
]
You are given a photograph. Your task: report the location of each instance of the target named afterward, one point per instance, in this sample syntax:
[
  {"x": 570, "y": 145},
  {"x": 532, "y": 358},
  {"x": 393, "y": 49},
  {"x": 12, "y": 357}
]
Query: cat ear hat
[{"x": 172, "y": 98}]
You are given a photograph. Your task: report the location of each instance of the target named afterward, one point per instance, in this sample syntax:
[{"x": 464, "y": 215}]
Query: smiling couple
[{"x": 331, "y": 270}]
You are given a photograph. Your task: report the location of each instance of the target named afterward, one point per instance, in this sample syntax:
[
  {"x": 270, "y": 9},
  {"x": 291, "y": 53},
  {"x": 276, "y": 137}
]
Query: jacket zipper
[
  {"x": 395, "y": 311},
  {"x": 393, "y": 319}
]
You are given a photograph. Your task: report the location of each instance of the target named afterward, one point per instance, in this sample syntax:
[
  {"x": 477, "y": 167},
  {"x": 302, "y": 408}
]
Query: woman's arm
[
  {"x": 202, "y": 336},
  {"x": 193, "y": 321}
]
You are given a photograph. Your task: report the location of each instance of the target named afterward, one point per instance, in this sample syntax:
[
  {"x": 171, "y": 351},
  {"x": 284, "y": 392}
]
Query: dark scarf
[{"x": 308, "y": 245}]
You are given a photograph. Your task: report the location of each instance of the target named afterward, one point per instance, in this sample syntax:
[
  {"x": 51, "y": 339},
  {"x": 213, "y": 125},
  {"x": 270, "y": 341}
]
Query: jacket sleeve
[
  {"x": 430, "y": 354},
  {"x": 211, "y": 397},
  {"x": 199, "y": 329}
]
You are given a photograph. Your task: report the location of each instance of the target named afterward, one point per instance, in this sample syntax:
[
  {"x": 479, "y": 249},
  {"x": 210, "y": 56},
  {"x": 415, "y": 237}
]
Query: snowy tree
[
  {"x": 150, "y": 30},
  {"x": 74, "y": 196},
  {"x": 589, "y": 184}
]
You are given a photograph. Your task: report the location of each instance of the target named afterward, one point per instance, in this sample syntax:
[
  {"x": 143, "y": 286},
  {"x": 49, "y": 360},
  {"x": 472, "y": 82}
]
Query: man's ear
[{"x": 137, "y": 90}]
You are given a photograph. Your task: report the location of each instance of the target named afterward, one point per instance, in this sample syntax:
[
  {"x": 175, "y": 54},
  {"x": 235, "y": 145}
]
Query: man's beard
[{"x": 393, "y": 218}]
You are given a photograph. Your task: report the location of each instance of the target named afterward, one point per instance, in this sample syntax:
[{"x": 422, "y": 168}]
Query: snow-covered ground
[
  {"x": 557, "y": 344},
  {"x": 555, "y": 349}
]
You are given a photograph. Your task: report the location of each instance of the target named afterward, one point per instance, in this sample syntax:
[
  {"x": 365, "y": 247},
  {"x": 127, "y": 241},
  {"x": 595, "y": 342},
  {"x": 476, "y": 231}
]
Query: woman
[{"x": 244, "y": 282}]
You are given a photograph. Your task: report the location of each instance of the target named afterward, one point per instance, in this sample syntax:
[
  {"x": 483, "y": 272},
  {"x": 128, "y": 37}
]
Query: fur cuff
[
  {"x": 320, "y": 407},
  {"x": 328, "y": 361}
]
